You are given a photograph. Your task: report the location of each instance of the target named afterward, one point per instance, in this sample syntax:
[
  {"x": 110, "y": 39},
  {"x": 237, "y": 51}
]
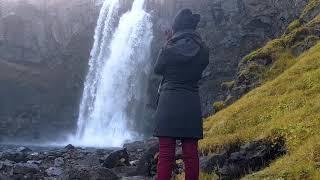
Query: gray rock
[
  {"x": 25, "y": 168},
  {"x": 54, "y": 171},
  {"x": 239, "y": 161},
  {"x": 8, "y": 163},
  {"x": 116, "y": 158},
  {"x": 134, "y": 163},
  {"x": 90, "y": 173},
  {"x": 14, "y": 156},
  {"x": 212, "y": 162},
  {"x": 137, "y": 178},
  {"x": 34, "y": 162},
  {"x": 24, "y": 149},
  {"x": 146, "y": 165},
  {"x": 58, "y": 162},
  {"x": 69, "y": 147}
]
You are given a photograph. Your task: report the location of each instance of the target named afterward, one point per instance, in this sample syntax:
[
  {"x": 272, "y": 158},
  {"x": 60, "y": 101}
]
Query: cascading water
[{"x": 114, "y": 84}]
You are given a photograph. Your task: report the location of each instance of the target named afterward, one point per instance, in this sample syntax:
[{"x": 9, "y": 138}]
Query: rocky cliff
[
  {"x": 44, "y": 48},
  {"x": 232, "y": 29},
  {"x": 45, "y": 45}
]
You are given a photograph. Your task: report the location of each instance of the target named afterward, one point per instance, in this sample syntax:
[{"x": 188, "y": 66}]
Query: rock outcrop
[
  {"x": 232, "y": 29},
  {"x": 45, "y": 46},
  {"x": 44, "y": 50}
]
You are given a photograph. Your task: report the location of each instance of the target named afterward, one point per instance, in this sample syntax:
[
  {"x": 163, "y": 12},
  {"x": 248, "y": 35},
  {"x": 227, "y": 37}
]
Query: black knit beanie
[{"x": 185, "y": 20}]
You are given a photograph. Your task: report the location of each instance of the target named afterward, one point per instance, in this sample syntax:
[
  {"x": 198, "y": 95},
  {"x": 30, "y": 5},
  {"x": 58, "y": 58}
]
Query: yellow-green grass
[
  {"x": 218, "y": 106},
  {"x": 287, "y": 107},
  {"x": 298, "y": 34}
]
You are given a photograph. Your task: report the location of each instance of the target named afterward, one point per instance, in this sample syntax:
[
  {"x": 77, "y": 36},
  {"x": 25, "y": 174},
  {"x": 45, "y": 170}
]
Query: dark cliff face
[
  {"x": 44, "y": 50},
  {"x": 45, "y": 46},
  {"x": 232, "y": 29}
]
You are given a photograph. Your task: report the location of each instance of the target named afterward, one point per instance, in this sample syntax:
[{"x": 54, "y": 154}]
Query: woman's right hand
[{"x": 168, "y": 34}]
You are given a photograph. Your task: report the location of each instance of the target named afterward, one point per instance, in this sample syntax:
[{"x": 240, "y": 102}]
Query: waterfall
[{"x": 115, "y": 81}]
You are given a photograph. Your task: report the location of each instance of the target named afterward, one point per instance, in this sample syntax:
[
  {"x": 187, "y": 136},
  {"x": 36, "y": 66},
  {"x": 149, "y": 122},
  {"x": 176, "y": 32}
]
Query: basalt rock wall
[{"x": 45, "y": 47}]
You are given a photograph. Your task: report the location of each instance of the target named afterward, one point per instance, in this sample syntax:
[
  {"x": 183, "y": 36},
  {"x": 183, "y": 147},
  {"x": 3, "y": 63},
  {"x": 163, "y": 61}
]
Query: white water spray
[{"x": 119, "y": 61}]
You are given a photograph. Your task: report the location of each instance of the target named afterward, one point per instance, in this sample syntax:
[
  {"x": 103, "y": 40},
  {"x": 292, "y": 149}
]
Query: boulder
[
  {"x": 69, "y": 147},
  {"x": 54, "y": 171},
  {"x": 14, "y": 156},
  {"x": 58, "y": 162},
  {"x": 147, "y": 164},
  {"x": 24, "y": 149},
  {"x": 25, "y": 168},
  {"x": 248, "y": 158},
  {"x": 212, "y": 162},
  {"x": 34, "y": 162},
  {"x": 89, "y": 173},
  {"x": 116, "y": 158}
]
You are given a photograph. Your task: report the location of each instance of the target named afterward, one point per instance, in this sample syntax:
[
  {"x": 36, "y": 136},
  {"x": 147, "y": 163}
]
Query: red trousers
[{"x": 167, "y": 158}]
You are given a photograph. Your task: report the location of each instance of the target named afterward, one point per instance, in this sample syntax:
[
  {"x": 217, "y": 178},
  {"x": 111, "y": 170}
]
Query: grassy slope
[
  {"x": 286, "y": 105},
  {"x": 289, "y": 107}
]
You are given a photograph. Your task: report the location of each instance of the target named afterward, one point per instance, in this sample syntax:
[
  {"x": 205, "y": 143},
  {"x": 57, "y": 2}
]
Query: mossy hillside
[
  {"x": 273, "y": 50},
  {"x": 218, "y": 106},
  {"x": 299, "y": 37},
  {"x": 312, "y": 5},
  {"x": 287, "y": 107}
]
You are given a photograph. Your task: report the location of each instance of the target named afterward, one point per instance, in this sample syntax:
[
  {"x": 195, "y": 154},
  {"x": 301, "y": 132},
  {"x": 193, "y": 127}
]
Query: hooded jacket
[
  {"x": 175, "y": 61},
  {"x": 181, "y": 63}
]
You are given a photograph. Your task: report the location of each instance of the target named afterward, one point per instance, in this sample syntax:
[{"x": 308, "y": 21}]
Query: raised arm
[{"x": 160, "y": 65}]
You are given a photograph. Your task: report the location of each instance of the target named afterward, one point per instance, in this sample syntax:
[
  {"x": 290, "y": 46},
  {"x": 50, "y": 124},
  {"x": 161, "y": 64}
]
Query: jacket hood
[
  {"x": 185, "y": 43},
  {"x": 185, "y": 19}
]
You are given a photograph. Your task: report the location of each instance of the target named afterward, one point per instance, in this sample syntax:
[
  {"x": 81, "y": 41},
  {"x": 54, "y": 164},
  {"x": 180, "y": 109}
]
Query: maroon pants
[{"x": 167, "y": 158}]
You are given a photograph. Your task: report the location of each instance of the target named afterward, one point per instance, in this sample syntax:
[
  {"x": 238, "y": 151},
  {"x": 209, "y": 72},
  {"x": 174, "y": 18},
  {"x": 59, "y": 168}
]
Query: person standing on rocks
[{"x": 178, "y": 117}]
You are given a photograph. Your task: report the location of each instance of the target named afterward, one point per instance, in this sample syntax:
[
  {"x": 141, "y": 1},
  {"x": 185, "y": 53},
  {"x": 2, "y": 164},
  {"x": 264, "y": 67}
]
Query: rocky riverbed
[{"x": 135, "y": 160}]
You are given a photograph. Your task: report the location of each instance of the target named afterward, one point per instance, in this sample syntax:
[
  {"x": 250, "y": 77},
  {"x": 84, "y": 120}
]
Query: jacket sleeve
[{"x": 160, "y": 65}]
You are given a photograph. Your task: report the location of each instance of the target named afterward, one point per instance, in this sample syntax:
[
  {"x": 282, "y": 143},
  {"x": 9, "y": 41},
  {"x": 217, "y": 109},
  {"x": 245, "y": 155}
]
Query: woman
[{"x": 181, "y": 63}]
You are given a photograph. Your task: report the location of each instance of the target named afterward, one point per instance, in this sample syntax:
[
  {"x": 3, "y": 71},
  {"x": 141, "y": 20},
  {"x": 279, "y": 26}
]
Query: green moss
[
  {"x": 266, "y": 51},
  {"x": 293, "y": 25},
  {"x": 284, "y": 61},
  {"x": 287, "y": 107},
  {"x": 218, "y": 106},
  {"x": 257, "y": 67}
]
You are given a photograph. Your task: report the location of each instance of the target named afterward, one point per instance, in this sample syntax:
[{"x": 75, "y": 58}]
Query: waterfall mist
[{"x": 115, "y": 86}]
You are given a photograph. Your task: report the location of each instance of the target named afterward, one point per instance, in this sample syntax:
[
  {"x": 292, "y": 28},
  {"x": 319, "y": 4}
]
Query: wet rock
[
  {"x": 116, "y": 158},
  {"x": 136, "y": 178},
  {"x": 124, "y": 170},
  {"x": 14, "y": 156},
  {"x": 25, "y": 168},
  {"x": 212, "y": 162},
  {"x": 134, "y": 163},
  {"x": 146, "y": 166},
  {"x": 35, "y": 156},
  {"x": 54, "y": 171},
  {"x": 69, "y": 147},
  {"x": 7, "y": 163},
  {"x": 248, "y": 158},
  {"x": 90, "y": 173},
  {"x": 34, "y": 162},
  {"x": 58, "y": 162},
  {"x": 24, "y": 149}
]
